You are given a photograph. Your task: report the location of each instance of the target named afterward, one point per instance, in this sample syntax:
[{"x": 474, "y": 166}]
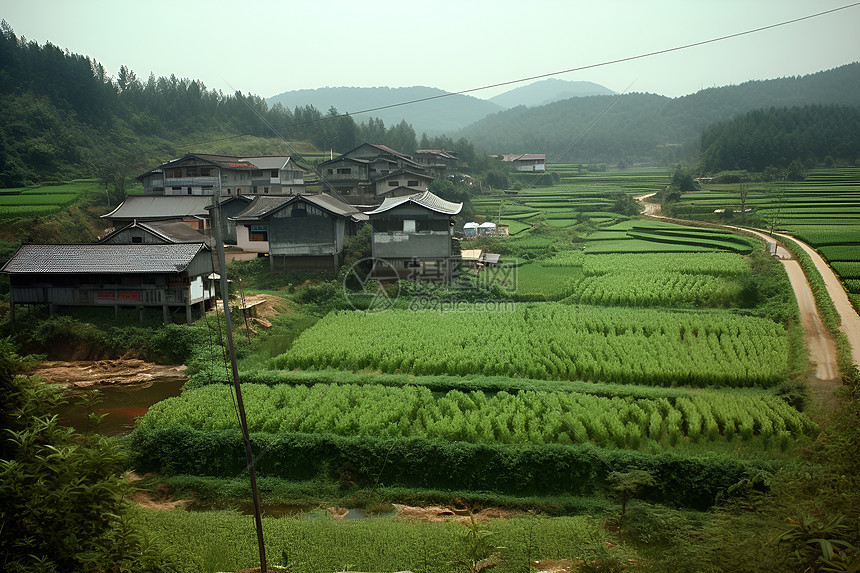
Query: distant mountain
[
  {"x": 440, "y": 113},
  {"x": 548, "y": 91},
  {"x": 647, "y": 127}
]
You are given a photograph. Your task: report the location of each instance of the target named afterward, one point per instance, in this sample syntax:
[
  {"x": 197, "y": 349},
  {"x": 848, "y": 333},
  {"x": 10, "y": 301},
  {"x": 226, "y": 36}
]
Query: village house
[
  {"x": 526, "y": 162},
  {"x": 170, "y": 276},
  {"x": 195, "y": 211},
  {"x": 438, "y": 162},
  {"x": 364, "y": 175},
  {"x": 156, "y": 233},
  {"x": 198, "y": 173},
  {"x": 412, "y": 238},
  {"x": 300, "y": 232}
]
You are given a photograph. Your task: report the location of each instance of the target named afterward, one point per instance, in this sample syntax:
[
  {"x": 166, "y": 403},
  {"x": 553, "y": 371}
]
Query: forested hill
[
  {"x": 777, "y": 136},
  {"x": 643, "y": 127},
  {"x": 62, "y": 116}
]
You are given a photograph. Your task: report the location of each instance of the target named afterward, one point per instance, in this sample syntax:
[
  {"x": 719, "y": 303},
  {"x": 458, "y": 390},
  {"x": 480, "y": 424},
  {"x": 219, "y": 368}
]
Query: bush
[{"x": 421, "y": 463}]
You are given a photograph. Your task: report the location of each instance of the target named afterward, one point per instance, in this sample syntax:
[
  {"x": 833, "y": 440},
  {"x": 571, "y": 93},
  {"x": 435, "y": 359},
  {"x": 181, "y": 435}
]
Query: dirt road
[{"x": 850, "y": 320}]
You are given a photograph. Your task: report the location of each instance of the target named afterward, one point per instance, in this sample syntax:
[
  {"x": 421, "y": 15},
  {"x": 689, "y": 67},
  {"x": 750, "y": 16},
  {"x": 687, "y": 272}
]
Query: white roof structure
[{"x": 425, "y": 199}]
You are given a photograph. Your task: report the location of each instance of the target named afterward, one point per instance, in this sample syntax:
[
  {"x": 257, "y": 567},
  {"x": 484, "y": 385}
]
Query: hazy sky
[{"x": 266, "y": 47}]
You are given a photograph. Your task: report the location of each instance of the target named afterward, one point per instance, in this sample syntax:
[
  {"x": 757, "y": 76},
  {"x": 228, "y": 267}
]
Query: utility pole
[{"x": 228, "y": 326}]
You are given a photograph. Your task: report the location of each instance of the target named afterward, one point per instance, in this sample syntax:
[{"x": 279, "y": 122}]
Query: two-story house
[
  {"x": 526, "y": 162},
  {"x": 438, "y": 162},
  {"x": 363, "y": 175},
  {"x": 299, "y": 232},
  {"x": 198, "y": 174},
  {"x": 411, "y": 238}
]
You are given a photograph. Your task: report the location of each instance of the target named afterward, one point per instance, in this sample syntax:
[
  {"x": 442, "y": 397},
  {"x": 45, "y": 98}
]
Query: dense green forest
[
  {"x": 776, "y": 137},
  {"x": 63, "y": 117},
  {"x": 647, "y": 127}
]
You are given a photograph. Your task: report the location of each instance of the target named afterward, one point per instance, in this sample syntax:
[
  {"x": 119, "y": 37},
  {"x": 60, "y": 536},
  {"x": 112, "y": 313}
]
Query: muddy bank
[{"x": 121, "y": 372}]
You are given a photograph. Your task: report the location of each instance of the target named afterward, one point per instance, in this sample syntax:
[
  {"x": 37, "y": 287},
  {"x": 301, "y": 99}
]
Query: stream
[{"x": 120, "y": 404}]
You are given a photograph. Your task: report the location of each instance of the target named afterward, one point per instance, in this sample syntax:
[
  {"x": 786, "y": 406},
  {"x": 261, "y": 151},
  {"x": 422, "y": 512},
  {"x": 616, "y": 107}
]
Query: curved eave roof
[{"x": 426, "y": 199}]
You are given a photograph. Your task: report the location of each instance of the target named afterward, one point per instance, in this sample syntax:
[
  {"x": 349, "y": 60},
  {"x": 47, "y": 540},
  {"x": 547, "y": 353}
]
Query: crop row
[
  {"x": 525, "y": 417},
  {"x": 719, "y": 264},
  {"x": 841, "y": 252},
  {"x": 551, "y": 341},
  {"x": 648, "y": 289}
]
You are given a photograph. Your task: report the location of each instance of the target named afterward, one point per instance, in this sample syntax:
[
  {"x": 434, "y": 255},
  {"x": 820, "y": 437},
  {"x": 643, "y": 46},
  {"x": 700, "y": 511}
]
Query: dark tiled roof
[
  {"x": 102, "y": 259},
  {"x": 261, "y": 206}
]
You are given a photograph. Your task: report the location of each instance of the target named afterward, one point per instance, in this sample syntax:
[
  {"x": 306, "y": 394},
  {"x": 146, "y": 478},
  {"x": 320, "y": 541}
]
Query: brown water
[{"x": 121, "y": 404}]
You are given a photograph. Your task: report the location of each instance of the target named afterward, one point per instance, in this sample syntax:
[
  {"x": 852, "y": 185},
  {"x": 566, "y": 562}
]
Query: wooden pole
[{"x": 228, "y": 326}]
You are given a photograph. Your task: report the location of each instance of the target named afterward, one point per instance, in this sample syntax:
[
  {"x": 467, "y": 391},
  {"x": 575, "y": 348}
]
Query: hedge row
[{"x": 420, "y": 463}]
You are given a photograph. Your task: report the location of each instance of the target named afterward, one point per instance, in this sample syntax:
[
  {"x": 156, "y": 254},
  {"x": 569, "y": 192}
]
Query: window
[
  {"x": 135, "y": 240},
  {"x": 255, "y": 189},
  {"x": 176, "y": 188},
  {"x": 265, "y": 189},
  {"x": 393, "y": 183},
  {"x": 409, "y": 225},
  {"x": 413, "y": 183},
  {"x": 238, "y": 190},
  {"x": 189, "y": 190},
  {"x": 191, "y": 171},
  {"x": 344, "y": 171},
  {"x": 175, "y": 172},
  {"x": 258, "y": 233},
  {"x": 300, "y": 212},
  {"x": 205, "y": 171},
  {"x": 274, "y": 174}
]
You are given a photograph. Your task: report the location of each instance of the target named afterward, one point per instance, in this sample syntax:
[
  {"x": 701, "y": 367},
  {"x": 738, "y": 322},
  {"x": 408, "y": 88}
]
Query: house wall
[
  {"x": 314, "y": 234},
  {"x": 406, "y": 244},
  {"x": 135, "y": 235},
  {"x": 244, "y": 242},
  {"x": 388, "y": 184}
]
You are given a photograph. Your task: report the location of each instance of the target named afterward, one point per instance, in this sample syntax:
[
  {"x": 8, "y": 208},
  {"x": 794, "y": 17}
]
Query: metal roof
[
  {"x": 96, "y": 258},
  {"x": 269, "y": 161},
  {"x": 168, "y": 231},
  {"x": 426, "y": 199},
  {"x": 154, "y": 207}
]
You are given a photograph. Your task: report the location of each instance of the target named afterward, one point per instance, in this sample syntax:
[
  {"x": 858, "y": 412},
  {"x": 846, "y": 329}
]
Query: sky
[{"x": 266, "y": 47}]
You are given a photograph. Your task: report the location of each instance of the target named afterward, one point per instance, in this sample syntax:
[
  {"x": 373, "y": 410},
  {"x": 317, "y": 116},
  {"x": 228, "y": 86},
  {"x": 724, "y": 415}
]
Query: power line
[{"x": 550, "y": 74}]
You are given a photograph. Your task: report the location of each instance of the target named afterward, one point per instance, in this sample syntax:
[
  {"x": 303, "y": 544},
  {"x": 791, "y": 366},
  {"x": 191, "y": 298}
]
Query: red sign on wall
[
  {"x": 129, "y": 295},
  {"x": 107, "y": 294}
]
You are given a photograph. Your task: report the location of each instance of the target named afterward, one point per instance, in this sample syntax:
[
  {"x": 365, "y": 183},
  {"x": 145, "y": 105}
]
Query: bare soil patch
[
  {"x": 87, "y": 374},
  {"x": 438, "y": 513},
  {"x": 159, "y": 499}
]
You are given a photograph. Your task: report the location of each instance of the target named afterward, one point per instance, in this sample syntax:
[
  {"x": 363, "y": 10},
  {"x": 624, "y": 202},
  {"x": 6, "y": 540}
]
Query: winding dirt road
[{"x": 819, "y": 341}]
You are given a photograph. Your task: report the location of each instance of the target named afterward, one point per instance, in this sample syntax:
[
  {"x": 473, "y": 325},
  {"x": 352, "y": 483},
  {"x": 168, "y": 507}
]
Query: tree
[
  {"x": 625, "y": 485},
  {"x": 497, "y": 179},
  {"x": 64, "y": 505},
  {"x": 625, "y": 205}
]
